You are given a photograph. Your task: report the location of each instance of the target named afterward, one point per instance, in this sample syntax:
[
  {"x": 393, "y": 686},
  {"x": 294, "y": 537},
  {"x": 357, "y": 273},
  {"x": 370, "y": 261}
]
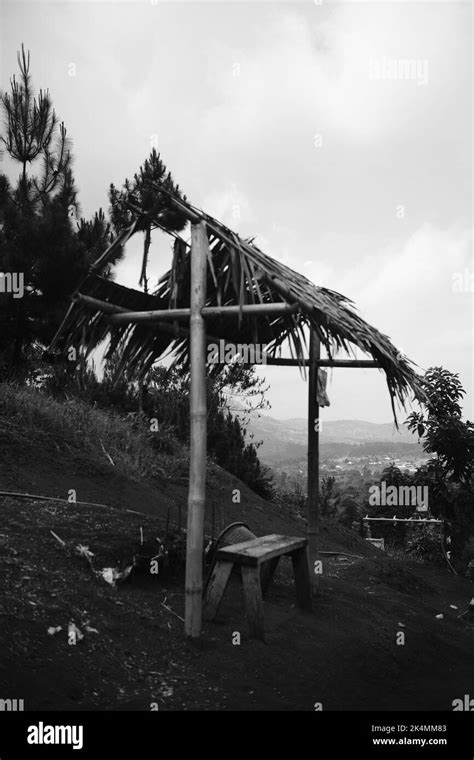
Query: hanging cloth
[{"x": 322, "y": 396}]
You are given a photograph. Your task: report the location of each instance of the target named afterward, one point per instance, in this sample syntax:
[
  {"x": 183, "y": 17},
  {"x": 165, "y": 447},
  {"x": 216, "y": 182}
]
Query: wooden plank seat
[{"x": 250, "y": 556}]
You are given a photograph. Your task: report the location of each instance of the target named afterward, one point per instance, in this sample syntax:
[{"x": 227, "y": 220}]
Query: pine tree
[
  {"x": 32, "y": 132},
  {"x": 137, "y": 197},
  {"x": 37, "y": 240}
]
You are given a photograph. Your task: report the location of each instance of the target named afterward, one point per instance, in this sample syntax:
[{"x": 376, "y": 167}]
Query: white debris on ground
[
  {"x": 113, "y": 575},
  {"x": 52, "y": 630}
]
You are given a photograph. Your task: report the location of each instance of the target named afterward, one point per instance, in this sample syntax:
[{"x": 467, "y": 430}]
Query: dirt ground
[
  {"x": 343, "y": 655},
  {"x": 134, "y": 655}
]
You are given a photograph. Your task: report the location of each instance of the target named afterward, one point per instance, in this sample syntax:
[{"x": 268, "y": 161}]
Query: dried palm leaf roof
[{"x": 238, "y": 273}]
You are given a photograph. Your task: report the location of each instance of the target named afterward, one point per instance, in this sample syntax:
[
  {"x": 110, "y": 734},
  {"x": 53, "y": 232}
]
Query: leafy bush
[
  {"x": 424, "y": 543},
  {"x": 467, "y": 555}
]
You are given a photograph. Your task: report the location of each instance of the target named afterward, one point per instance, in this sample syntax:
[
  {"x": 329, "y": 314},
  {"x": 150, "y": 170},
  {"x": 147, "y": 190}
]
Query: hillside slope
[
  {"x": 40, "y": 456},
  {"x": 134, "y": 652}
]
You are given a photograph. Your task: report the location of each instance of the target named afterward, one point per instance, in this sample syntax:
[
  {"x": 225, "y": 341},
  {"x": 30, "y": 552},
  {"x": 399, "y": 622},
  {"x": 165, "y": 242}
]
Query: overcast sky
[{"x": 297, "y": 122}]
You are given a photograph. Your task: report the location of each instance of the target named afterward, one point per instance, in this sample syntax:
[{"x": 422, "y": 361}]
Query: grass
[
  {"x": 400, "y": 553},
  {"x": 126, "y": 439}
]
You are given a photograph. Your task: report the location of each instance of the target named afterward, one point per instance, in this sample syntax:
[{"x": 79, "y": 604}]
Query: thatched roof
[{"x": 238, "y": 273}]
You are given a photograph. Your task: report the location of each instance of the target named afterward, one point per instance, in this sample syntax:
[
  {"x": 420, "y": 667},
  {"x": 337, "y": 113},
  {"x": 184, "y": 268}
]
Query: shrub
[{"x": 424, "y": 543}]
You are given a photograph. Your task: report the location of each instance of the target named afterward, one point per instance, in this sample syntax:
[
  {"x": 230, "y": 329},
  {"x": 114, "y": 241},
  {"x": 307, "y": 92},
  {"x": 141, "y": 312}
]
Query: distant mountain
[{"x": 286, "y": 440}]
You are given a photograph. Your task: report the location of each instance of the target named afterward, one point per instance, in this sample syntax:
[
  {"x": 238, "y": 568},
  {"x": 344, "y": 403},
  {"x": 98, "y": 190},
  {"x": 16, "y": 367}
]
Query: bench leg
[
  {"x": 267, "y": 571},
  {"x": 302, "y": 583},
  {"x": 253, "y": 601},
  {"x": 215, "y": 588}
]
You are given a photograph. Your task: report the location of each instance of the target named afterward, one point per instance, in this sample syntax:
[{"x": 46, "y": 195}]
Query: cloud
[
  {"x": 308, "y": 71},
  {"x": 236, "y": 93},
  {"x": 414, "y": 271},
  {"x": 230, "y": 205}
]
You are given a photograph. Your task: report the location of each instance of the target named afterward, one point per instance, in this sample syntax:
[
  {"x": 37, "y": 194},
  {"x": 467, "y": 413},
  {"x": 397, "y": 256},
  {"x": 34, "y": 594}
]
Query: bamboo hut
[{"x": 222, "y": 287}]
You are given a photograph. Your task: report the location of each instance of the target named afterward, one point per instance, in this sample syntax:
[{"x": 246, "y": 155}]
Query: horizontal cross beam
[
  {"x": 413, "y": 521},
  {"x": 120, "y": 314},
  {"x": 94, "y": 304},
  {"x": 257, "y": 309},
  {"x": 357, "y": 363}
]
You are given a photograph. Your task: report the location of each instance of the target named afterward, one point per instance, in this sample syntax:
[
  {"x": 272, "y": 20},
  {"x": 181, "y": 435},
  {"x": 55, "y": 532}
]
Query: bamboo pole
[
  {"x": 150, "y": 316},
  {"x": 313, "y": 461},
  {"x": 198, "y": 417},
  {"x": 94, "y": 304},
  {"x": 258, "y": 309},
  {"x": 412, "y": 521},
  {"x": 354, "y": 363}
]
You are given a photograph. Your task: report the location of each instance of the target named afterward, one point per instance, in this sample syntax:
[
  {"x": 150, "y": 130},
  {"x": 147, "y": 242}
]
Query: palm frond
[{"x": 238, "y": 273}]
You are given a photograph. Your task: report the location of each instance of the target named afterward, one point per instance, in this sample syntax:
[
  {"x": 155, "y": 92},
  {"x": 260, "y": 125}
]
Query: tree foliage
[
  {"x": 441, "y": 428},
  {"x": 137, "y": 196},
  {"x": 38, "y": 241}
]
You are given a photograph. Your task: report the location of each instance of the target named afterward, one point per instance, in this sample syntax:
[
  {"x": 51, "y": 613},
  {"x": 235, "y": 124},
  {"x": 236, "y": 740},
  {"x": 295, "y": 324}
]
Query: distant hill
[{"x": 286, "y": 440}]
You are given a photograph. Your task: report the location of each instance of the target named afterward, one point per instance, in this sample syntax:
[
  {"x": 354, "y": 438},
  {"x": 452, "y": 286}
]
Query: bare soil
[{"x": 344, "y": 654}]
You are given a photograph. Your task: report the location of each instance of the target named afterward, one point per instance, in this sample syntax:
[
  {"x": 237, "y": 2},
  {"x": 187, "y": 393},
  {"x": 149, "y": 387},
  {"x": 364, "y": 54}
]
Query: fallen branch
[
  {"x": 469, "y": 609},
  {"x": 63, "y": 543},
  {"x": 80, "y": 503},
  {"x": 172, "y": 611},
  {"x": 49, "y": 498},
  {"x": 343, "y": 554},
  {"x": 83, "y": 551},
  {"x": 107, "y": 455}
]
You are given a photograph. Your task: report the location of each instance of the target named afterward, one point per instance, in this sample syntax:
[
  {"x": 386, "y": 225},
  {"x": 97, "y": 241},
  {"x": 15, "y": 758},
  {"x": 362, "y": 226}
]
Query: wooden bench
[{"x": 250, "y": 556}]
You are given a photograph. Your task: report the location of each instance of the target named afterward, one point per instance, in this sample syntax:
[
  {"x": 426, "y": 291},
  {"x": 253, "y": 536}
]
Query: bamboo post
[
  {"x": 313, "y": 461},
  {"x": 198, "y": 417},
  {"x": 250, "y": 309}
]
